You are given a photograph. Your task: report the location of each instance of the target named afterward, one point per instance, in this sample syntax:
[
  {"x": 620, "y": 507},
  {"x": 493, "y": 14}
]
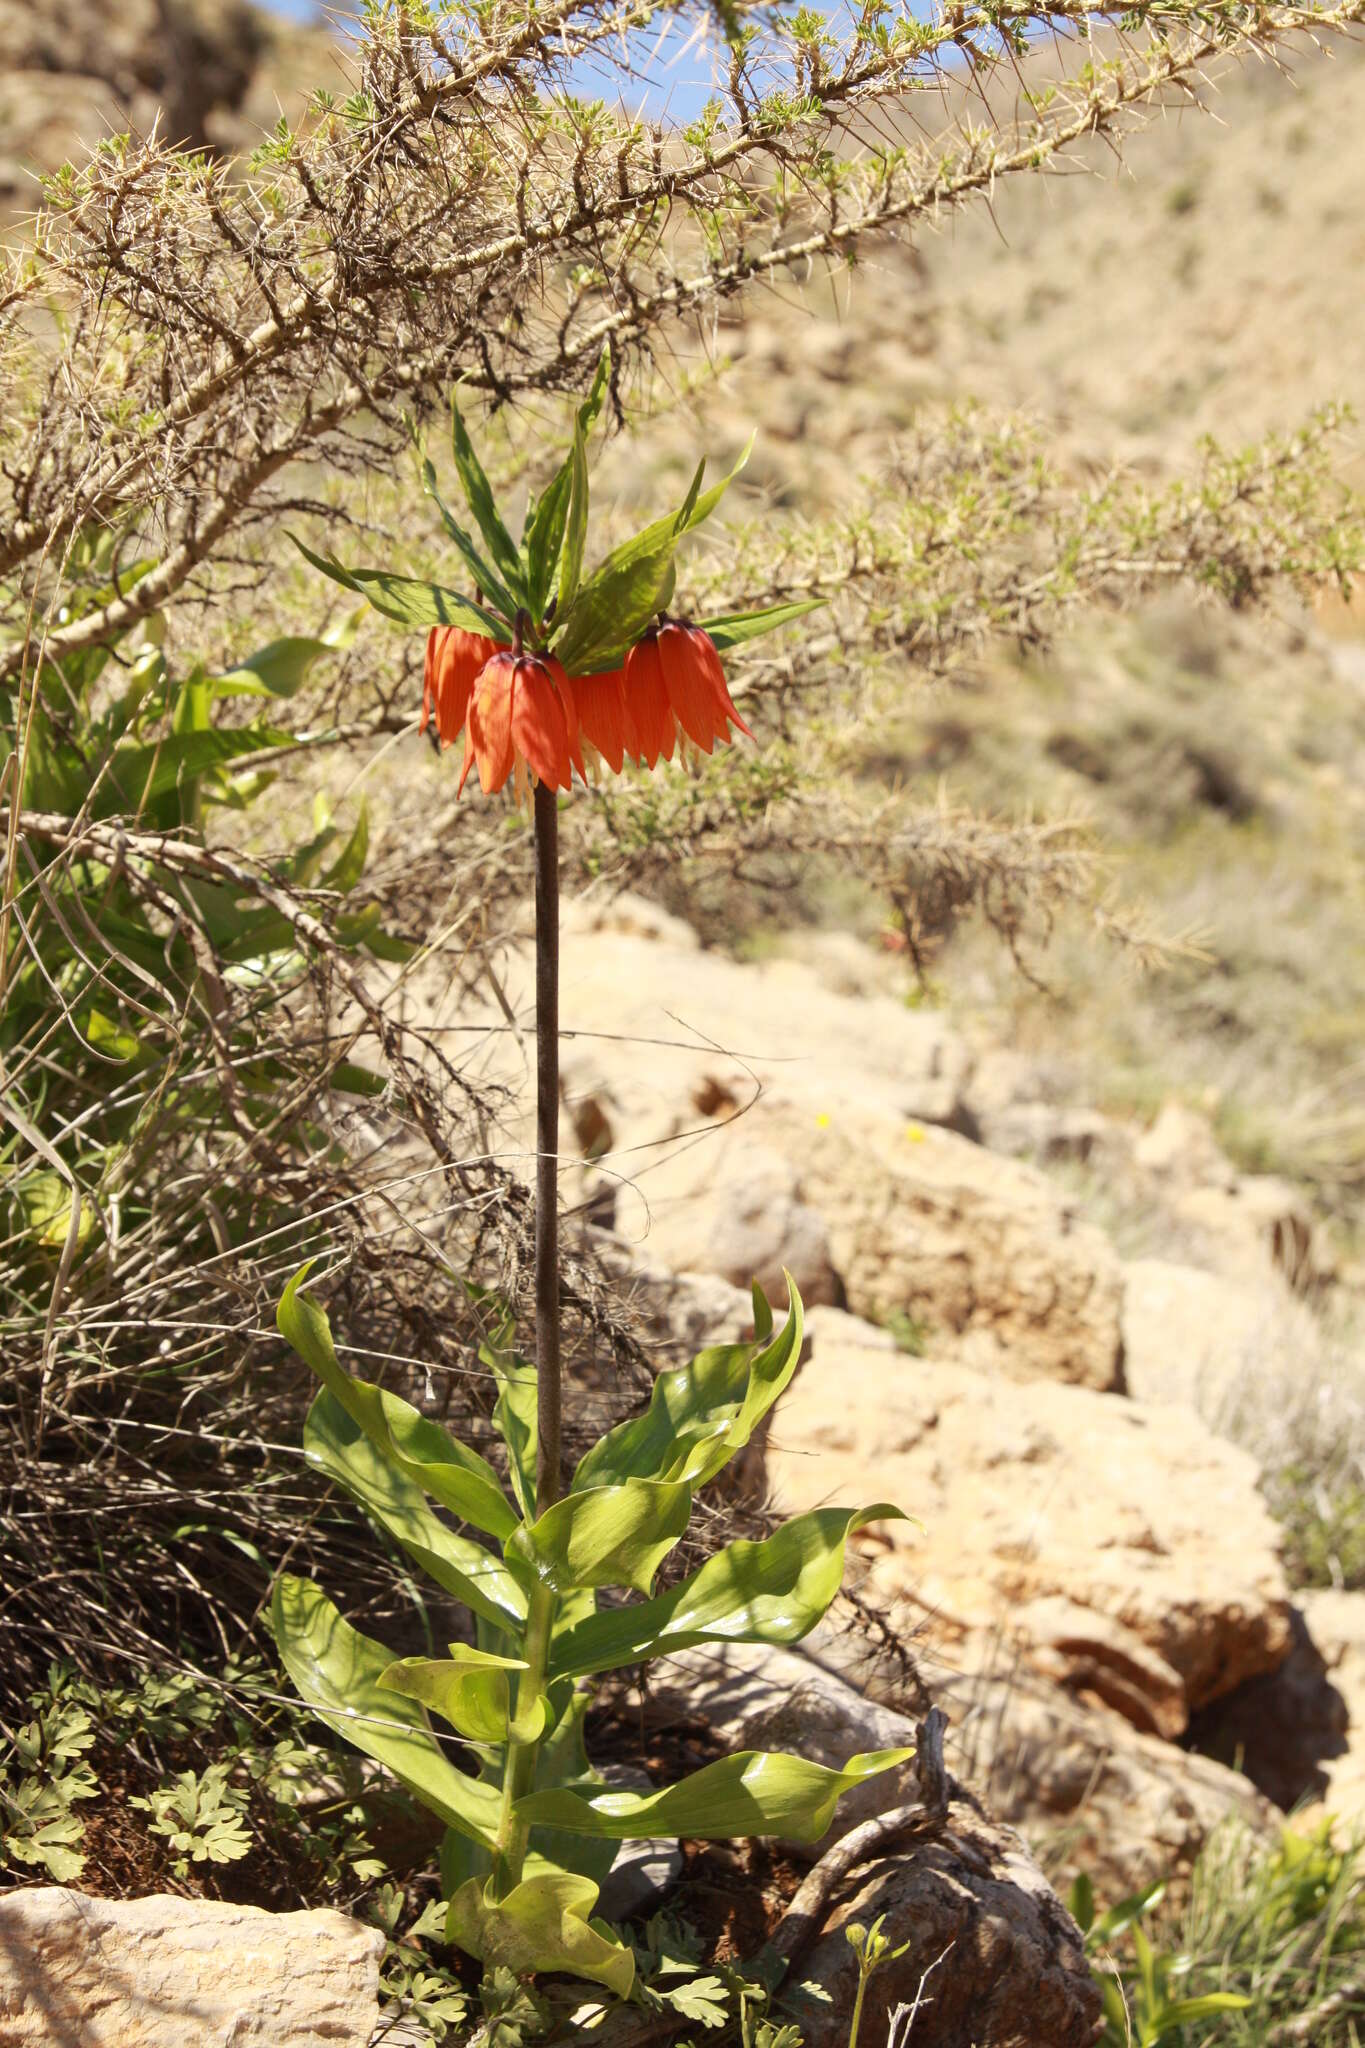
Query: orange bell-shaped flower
[
  {"x": 673, "y": 678},
  {"x": 454, "y": 659},
  {"x": 521, "y": 716}
]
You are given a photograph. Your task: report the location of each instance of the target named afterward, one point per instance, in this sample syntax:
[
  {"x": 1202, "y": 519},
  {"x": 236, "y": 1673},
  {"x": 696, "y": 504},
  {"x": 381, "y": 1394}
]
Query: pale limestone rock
[
  {"x": 1129, "y": 1807},
  {"x": 1013, "y": 1971},
  {"x": 1260, "y": 1222},
  {"x": 833, "y": 1326},
  {"x": 1180, "y": 1147},
  {"x": 1240, "y": 1223},
  {"x": 984, "y": 1255},
  {"x": 681, "y": 1313},
  {"x": 848, "y": 965},
  {"x": 1053, "y": 1134},
  {"x": 1188, "y": 1335},
  {"x": 166, "y": 1972},
  {"x": 1119, "y": 1549},
  {"x": 746, "y": 1116},
  {"x": 1126, "y": 1807},
  {"x": 733, "y": 1211}
]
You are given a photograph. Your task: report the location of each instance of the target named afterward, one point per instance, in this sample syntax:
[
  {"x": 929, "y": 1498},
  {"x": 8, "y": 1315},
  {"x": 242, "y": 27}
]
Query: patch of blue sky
[{"x": 668, "y": 72}]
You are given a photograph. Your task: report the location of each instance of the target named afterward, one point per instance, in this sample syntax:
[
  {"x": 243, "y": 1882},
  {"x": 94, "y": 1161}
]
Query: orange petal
[
  {"x": 540, "y": 732},
  {"x": 691, "y": 689},
  {"x": 462, "y": 658},
  {"x": 602, "y": 715},
  {"x": 709, "y": 656},
  {"x": 647, "y": 704},
  {"x": 567, "y": 687},
  {"x": 489, "y": 737}
]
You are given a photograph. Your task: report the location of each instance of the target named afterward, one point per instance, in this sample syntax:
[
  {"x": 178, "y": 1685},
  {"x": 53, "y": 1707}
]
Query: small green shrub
[
  {"x": 1146, "y": 1996},
  {"x": 144, "y": 991},
  {"x": 171, "y": 1086}
]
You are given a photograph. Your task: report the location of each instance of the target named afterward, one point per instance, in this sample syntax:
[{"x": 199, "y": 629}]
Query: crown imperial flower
[
  {"x": 673, "y": 679},
  {"x": 524, "y": 674},
  {"x": 521, "y": 716}
]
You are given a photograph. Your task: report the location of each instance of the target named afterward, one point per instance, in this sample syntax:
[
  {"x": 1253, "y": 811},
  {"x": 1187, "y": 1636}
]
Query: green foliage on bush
[
  {"x": 1320, "y": 1506},
  {"x": 171, "y": 1082},
  {"x": 139, "y": 985}
]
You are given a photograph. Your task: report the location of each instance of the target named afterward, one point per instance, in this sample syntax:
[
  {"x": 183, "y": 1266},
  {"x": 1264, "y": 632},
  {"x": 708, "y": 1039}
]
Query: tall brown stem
[{"x": 547, "y": 1147}]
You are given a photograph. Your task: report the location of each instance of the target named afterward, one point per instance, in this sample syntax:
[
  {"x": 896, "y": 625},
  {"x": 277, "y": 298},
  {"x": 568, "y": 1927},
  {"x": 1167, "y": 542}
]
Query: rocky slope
[{"x": 1093, "y": 1587}]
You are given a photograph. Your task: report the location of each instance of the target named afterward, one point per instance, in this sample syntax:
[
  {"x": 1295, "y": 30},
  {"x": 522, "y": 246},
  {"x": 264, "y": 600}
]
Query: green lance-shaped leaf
[
  {"x": 514, "y": 1411},
  {"x": 409, "y": 599},
  {"x": 636, "y": 580},
  {"x": 700, "y": 1415},
  {"x": 729, "y": 629},
  {"x": 769, "y": 1592},
  {"x": 542, "y": 1924},
  {"x": 339, "y": 1672},
  {"x": 138, "y": 775},
  {"x": 350, "y": 1078},
  {"x": 420, "y": 1449},
  {"x": 471, "y": 1690},
  {"x": 485, "y": 576},
  {"x": 617, "y": 603},
  {"x": 339, "y": 1447},
  {"x": 281, "y": 668},
  {"x": 576, "y": 527},
  {"x": 479, "y": 497},
  {"x": 1187, "y": 2012},
  {"x": 699, "y": 504},
  {"x": 606, "y": 1536},
  {"x": 349, "y": 865},
  {"x": 543, "y": 535},
  {"x": 756, "y": 1792}
]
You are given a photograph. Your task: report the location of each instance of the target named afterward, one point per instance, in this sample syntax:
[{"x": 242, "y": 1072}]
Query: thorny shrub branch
[{"x": 223, "y": 322}]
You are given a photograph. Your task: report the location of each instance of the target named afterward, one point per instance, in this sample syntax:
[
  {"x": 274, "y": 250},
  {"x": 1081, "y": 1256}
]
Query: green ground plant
[
  {"x": 1267, "y": 1949},
  {"x": 533, "y": 1830},
  {"x": 141, "y": 1785}
]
